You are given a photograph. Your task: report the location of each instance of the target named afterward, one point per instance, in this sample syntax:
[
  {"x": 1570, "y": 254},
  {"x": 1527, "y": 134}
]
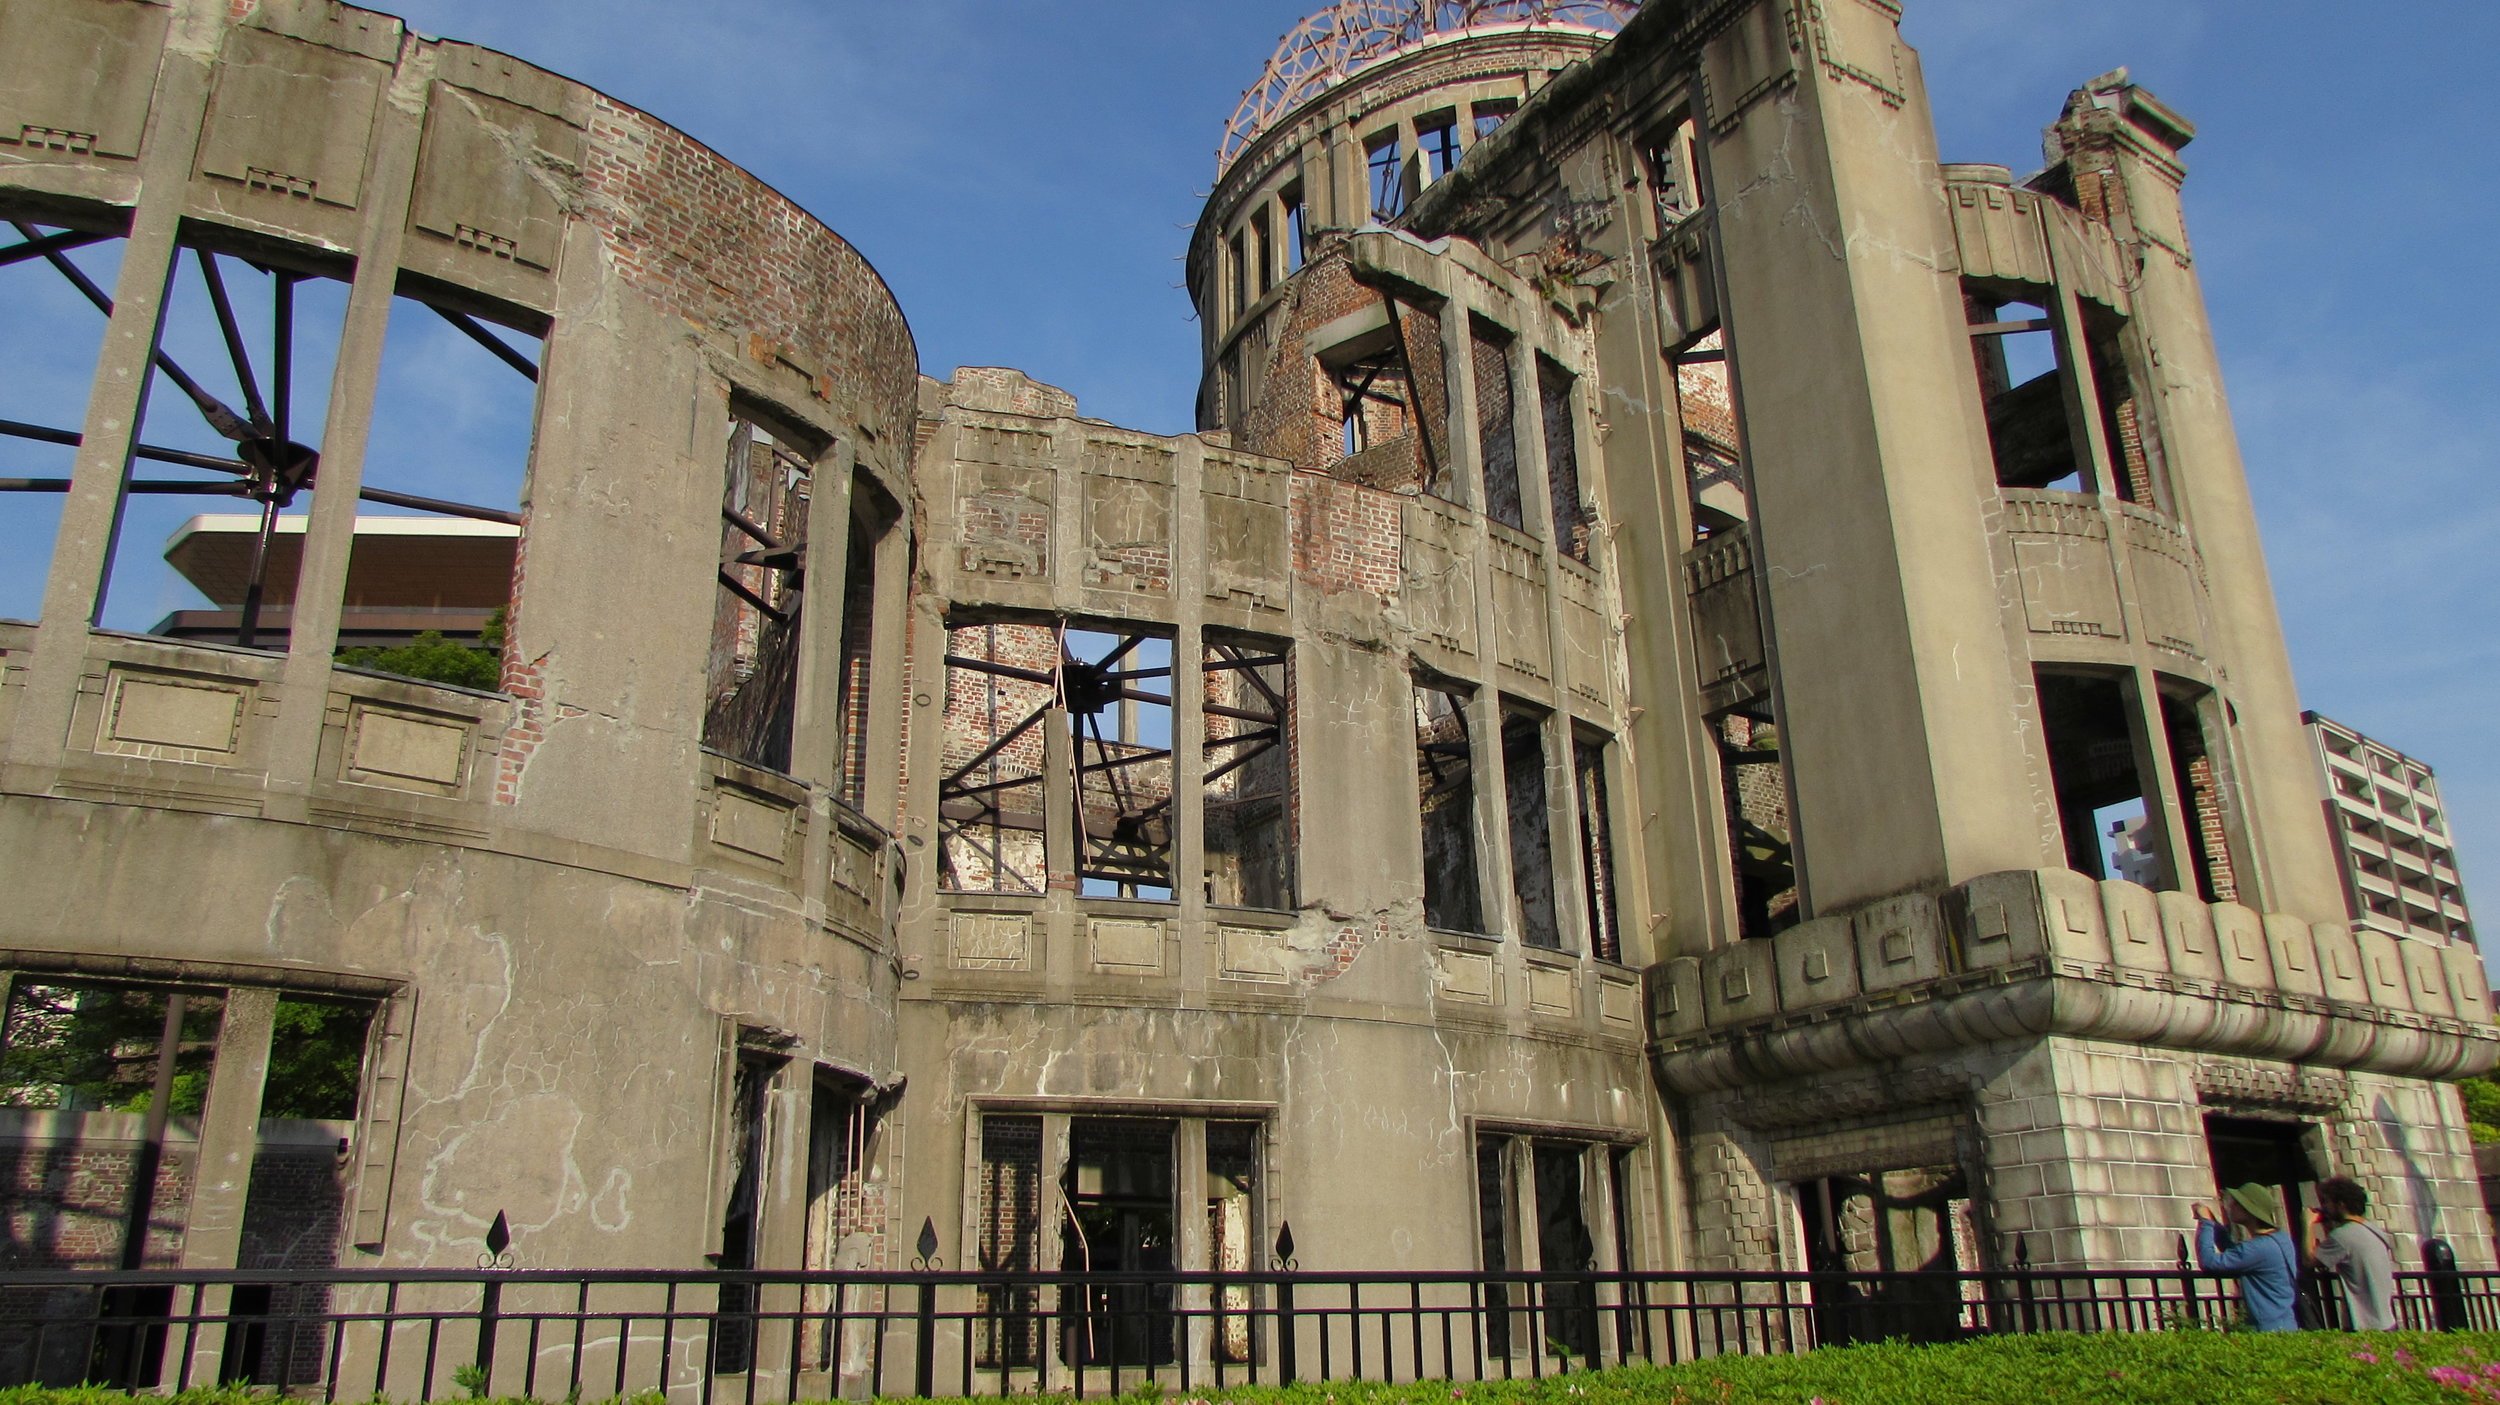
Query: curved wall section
[{"x": 590, "y": 949}]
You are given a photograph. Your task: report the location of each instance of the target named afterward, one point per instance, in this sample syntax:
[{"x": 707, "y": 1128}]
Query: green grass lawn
[{"x": 2170, "y": 1368}]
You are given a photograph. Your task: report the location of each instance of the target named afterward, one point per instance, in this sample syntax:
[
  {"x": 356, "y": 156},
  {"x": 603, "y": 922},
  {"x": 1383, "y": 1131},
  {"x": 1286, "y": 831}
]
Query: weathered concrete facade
[{"x": 1648, "y": 727}]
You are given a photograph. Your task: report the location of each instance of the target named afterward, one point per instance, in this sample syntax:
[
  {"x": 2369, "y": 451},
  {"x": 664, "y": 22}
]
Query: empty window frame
[
  {"x": 1714, "y": 477},
  {"x": 2126, "y": 426},
  {"x": 1386, "y": 176},
  {"x": 2197, "y": 773},
  {"x": 1537, "y": 1202},
  {"x": 1241, "y": 271},
  {"x": 2024, "y": 388},
  {"x": 1438, "y": 137},
  {"x": 1597, "y": 847},
  {"x": 1497, "y": 431},
  {"x": 1120, "y": 1187},
  {"x": 846, "y": 1208},
  {"x": 1262, "y": 254},
  {"x": 872, "y": 515},
  {"x": 1488, "y": 116},
  {"x": 1754, "y": 786},
  {"x": 1001, "y": 687},
  {"x": 1247, "y": 786},
  {"x": 446, "y": 464},
  {"x": 48, "y": 347},
  {"x": 1391, "y": 400},
  {"x": 249, "y": 345},
  {"x": 1673, "y": 160},
  {"x": 1117, "y": 688},
  {"x": 1297, "y": 234},
  {"x": 2097, "y": 766},
  {"x": 742, "y": 1203},
  {"x": 1445, "y": 773},
  {"x": 1531, "y": 827},
  {"x": 1572, "y": 526},
  {"x": 751, "y": 673},
  {"x": 1234, "y": 1229},
  {"x": 1007, "y": 1209}
]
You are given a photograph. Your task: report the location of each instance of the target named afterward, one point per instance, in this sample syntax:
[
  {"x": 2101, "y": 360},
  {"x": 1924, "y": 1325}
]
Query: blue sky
[{"x": 1024, "y": 173}]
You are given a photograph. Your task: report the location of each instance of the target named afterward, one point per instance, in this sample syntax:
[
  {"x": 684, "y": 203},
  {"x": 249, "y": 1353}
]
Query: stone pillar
[
  {"x": 2095, "y": 1153},
  {"x": 1872, "y": 477},
  {"x": 229, "y": 1142}
]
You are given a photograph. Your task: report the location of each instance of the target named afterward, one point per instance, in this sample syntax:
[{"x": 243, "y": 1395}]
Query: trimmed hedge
[{"x": 2168, "y": 1368}]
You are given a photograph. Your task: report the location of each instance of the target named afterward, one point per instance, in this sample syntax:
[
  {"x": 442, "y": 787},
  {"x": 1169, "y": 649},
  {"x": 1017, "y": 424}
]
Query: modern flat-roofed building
[{"x": 2391, "y": 832}]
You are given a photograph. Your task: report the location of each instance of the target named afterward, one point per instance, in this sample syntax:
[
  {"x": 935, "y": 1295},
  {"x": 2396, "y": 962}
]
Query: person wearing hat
[{"x": 2262, "y": 1257}]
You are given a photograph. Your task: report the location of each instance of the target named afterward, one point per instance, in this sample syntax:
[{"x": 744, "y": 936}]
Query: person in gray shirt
[{"x": 2342, "y": 1238}]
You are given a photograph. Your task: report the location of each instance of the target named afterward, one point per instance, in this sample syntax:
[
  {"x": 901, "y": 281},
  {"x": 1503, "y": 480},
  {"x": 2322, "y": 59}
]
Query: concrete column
[
  {"x": 229, "y": 1141},
  {"x": 1871, "y": 490},
  {"x": 82, "y": 556},
  {"x": 816, "y": 729},
  {"x": 321, "y": 584},
  {"x": 1188, "y": 693},
  {"x": 1193, "y": 1241}
]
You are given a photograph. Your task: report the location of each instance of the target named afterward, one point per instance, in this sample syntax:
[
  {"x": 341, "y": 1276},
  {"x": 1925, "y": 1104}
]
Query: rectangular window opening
[
  {"x": 1445, "y": 777},
  {"x": 1391, "y": 400},
  {"x": 845, "y": 1202},
  {"x": 1233, "y": 1232},
  {"x": 1262, "y": 259},
  {"x": 1247, "y": 789},
  {"x": 229, "y": 431},
  {"x": 1387, "y": 177},
  {"x": 1117, "y": 688},
  {"x": 1572, "y": 525},
  {"x": 872, "y": 516},
  {"x": 2102, "y": 801},
  {"x": 1915, "y": 1220},
  {"x": 431, "y": 582},
  {"x": 1241, "y": 272},
  {"x": 2193, "y": 762},
  {"x": 1497, "y": 435},
  {"x": 733, "y": 1336},
  {"x": 1597, "y": 848},
  {"x": 2124, "y": 423},
  {"x": 1008, "y": 1206},
  {"x": 1531, "y": 828},
  {"x": 1494, "y": 1232},
  {"x": 1001, "y": 685},
  {"x": 1672, "y": 159},
  {"x": 1755, "y": 786},
  {"x": 1297, "y": 234},
  {"x": 752, "y": 671},
  {"x": 1564, "y": 1245},
  {"x": 48, "y": 346},
  {"x": 1438, "y": 136},
  {"x": 1120, "y": 1187},
  {"x": 1714, "y": 478},
  {"x": 1491, "y": 114},
  {"x": 2023, "y": 386}
]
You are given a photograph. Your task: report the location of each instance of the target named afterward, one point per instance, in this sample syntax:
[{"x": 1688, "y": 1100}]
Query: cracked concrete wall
[
  {"x": 1352, "y": 1033},
  {"x": 565, "y": 905}
]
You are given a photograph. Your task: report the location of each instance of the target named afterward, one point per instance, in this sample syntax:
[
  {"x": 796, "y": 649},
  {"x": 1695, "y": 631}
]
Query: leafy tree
[
  {"x": 2482, "y": 1108},
  {"x": 93, "y": 1048},
  {"x": 431, "y": 658},
  {"x": 316, "y": 1055}
]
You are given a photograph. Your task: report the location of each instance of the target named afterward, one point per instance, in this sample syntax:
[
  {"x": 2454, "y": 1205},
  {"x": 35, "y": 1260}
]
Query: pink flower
[
  {"x": 2450, "y": 1375},
  {"x": 2369, "y": 1356}
]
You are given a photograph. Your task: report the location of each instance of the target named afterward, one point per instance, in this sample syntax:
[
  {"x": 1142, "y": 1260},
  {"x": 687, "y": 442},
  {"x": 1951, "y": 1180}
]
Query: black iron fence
[{"x": 749, "y": 1337}]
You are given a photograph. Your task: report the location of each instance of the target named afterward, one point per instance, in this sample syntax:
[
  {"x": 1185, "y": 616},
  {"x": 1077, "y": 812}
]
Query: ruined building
[{"x": 1705, "y": 695}]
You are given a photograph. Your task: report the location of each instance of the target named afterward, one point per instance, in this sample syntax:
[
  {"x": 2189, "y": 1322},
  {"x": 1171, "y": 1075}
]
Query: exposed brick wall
[
  {"x": 713, "y": 244},
  {"x": 61, "y": 1205},
  {"x": 1345, "y": 537}
]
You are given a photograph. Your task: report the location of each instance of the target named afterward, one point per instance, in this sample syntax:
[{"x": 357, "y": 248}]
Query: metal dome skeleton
[{"x": 1350, "y": 35}]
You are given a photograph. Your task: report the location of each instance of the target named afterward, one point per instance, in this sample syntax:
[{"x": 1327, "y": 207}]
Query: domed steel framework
[{"x": 1350, "y": 35}]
